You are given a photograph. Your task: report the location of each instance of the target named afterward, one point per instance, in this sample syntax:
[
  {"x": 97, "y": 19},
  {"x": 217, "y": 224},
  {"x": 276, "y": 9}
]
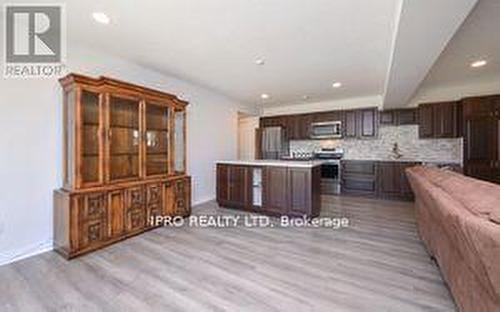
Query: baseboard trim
[
  {"x": 11, "y": 257},
  {"x": 23, "y": 253},
  {"x": 203, "y": 201}
]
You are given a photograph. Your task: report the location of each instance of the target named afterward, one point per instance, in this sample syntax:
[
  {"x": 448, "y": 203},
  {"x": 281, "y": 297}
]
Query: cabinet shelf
[
  {"x": 156, "y": 129},
  {"x": 124, "y": 154},
  {"x": 135, "y": 127},
  {"x": 90, "y": 124}
]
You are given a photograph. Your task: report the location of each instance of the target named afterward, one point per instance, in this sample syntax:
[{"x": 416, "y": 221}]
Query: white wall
[
  {"x": 246, "y": 137},
  {"x": 350, "y": 103},
  {"x": 31, "y": 156}
]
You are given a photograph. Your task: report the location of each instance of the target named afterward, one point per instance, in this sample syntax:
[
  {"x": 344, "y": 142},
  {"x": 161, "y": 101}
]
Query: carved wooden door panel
[
  {"x": 93, "y": 216},
  {"x": 135, "y": 211},
  {"x": 154, "y": 205}
]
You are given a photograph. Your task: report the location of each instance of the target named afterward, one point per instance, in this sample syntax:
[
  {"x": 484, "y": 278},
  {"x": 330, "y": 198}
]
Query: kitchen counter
[{"x": 274, "y": 163}]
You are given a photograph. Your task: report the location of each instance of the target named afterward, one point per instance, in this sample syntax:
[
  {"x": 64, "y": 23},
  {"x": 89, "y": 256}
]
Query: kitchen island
[{"x": 273, "y": 187}]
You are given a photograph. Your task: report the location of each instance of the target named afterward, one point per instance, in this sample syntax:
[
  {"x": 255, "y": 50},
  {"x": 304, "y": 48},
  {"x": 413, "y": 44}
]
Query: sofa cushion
[{"x": 478, "y": 197}]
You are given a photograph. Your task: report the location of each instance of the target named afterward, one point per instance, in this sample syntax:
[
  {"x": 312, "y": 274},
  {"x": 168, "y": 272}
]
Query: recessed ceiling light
[
  {"x": 101, "y": 18},
  {"x": 264, "y": 96},
  {"x": 305, "y": 97},
  {"x": 336, "y": 85},
  {"x": 260, "y": 61},
  {"x": 479, "y": 63}
]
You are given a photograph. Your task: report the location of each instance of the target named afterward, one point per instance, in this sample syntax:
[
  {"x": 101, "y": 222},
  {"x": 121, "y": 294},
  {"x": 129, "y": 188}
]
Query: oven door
[
  {"x": 330, "y": 171},
  {"x": 330, "y": 178}
]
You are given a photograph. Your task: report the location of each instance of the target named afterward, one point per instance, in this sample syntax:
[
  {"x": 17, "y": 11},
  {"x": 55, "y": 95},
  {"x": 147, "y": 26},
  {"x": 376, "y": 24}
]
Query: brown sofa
[{"x": 459, "y": 221}]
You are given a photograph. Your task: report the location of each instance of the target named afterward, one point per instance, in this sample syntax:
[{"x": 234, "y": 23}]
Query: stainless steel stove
[{"x": 331, "y": 177}]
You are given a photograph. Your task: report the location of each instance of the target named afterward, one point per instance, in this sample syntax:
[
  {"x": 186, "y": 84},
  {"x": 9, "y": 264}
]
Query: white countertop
[
  {"x": 274, "y": 163},
  {"x": 314, "y": 163}
]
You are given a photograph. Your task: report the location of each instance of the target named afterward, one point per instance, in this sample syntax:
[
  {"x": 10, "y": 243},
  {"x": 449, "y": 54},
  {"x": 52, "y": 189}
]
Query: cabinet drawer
[
  {"x": 359, "y": 167},
  {"x": 136, "y": 220},
  {"x": 94, "y": 207},
  {"x": 361, "y": 185},
  {"x": 92, "y": 232}
]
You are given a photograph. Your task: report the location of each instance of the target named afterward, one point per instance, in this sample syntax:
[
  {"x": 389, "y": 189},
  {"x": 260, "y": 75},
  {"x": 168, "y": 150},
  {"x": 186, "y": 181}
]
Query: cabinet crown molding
[{"x": 69, "y": 80}]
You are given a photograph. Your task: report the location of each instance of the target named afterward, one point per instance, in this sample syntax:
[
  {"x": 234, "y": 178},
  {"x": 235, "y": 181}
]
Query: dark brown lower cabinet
[
  {"x": 392, "y": 182},
  {"x": 381, "y": 179},
  {"x": 233, "y": 186},
  {"x": 88, "y": 220},
  {"x": 284, "y": 190},
  {"x": 359, "y": 177},
  {"x": 276, "y": 190}
]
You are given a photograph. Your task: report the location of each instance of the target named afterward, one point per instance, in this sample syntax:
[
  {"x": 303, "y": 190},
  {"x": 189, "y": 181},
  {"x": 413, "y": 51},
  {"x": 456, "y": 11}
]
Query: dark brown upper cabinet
[
  {"x": 368, "y": 122},
  {"x": 350, "y": 124},
  {"x": 328, "y": 116},
  {"x": 361, "y": 123},
  {"x": 440, "y": 120},
  {"x": 398, "y": 117},
  {"x": 297, "y": 126},
  {"x": 273, "y": 121}
]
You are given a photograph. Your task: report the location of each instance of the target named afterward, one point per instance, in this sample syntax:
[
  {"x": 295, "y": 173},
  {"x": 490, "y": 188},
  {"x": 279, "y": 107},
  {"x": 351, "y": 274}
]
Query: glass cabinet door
[
  {"x": 90, "y": 140},
  {"x": 157, "y": 141},
  {"x": 124, "y": 138},
  {"x": 179, "y": 140}
]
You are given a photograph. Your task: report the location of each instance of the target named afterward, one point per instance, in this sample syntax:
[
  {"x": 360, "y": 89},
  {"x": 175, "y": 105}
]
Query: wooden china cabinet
[{"x": 124, "y": 162}]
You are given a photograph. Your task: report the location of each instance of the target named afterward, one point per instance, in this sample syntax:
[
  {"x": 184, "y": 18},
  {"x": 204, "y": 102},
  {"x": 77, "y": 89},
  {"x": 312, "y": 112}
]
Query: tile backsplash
[{"x": 410, "y": 146}]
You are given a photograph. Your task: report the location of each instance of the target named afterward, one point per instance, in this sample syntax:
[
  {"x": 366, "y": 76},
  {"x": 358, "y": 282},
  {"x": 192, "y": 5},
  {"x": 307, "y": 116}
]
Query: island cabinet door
[
  {"x": 300, "y": 191},
  {"x": 389, "y": 179},
  {"x": 233, "y": 186},
  {"x": 276, "y": 190},
  {"x": 222, "y": 184},
  {"x": 238, "y": 186}
]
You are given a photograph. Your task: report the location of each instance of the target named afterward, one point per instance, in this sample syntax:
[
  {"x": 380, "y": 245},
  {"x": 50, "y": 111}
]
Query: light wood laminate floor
[{"x": 377, "y": 264}]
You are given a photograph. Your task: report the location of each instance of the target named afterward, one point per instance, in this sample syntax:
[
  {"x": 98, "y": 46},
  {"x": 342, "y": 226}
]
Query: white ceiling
[
  {"x": 383, "y": 47},
  {"x": 478, "y": 38},
  {"x": 307, "y": 44}
]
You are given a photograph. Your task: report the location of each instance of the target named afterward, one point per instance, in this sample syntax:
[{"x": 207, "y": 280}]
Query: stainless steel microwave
[{"x": 326, "y": 130}]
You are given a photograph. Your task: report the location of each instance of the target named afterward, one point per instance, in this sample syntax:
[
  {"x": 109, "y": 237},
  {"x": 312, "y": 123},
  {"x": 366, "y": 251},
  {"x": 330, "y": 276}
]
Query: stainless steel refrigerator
[{"x": 271, "y": 142}]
